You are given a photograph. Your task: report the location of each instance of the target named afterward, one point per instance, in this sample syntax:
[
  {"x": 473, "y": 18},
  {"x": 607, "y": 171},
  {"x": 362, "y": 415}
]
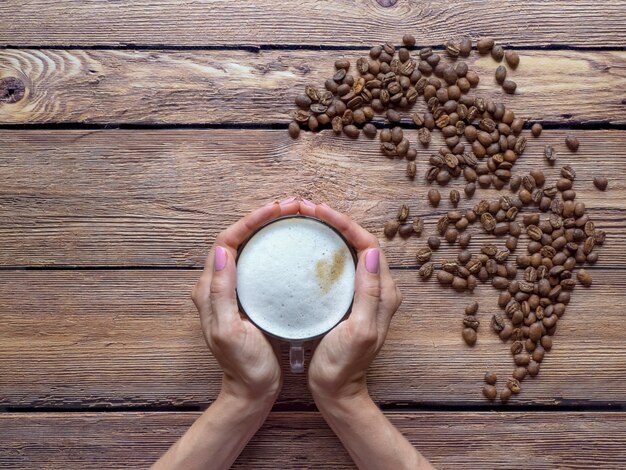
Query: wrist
[
  {"x": 341, "y": 397},
  {"x": 245, "y": 406},
  {"x": 261, "y": 395}
]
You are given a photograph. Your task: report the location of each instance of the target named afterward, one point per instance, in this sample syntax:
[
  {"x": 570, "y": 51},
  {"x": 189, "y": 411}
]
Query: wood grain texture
[
  {"x": 132, "y": 338},
  {"x": 303, "y": 440},
  {"x": 158, "y": 198},
  {"x": 309, "y": 22},
  {"x": 212, "y": 87}
]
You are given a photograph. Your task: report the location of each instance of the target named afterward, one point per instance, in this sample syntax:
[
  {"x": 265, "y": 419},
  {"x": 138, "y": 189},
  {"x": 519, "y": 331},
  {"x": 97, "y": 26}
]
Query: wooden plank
[
  {"x": 158, "y": 198},
  {"x": 309, "y": 22},
  {"x": 303, "y": 440},
  {"x": 217, "y": 86},
  {"x": 132, "y": 338}
]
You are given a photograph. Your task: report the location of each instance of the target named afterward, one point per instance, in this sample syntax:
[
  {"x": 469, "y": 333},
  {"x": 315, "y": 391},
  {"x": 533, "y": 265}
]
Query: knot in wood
[{"x": 11, "y": 90}]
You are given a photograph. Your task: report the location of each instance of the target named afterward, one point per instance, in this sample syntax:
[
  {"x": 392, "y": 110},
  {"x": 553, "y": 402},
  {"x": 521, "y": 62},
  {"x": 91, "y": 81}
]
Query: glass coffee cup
[{"x": 295, "y": 280}]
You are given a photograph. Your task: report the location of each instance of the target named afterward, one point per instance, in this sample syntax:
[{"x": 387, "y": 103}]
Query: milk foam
[{"x": 295, "y": 278}]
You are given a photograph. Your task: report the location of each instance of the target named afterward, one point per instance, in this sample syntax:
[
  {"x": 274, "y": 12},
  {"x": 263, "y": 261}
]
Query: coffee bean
[
  {"x": 294, "y": 130},
  {"x": 434, "y": 197},
  {"x": 549, "y": 153},
  {"x": 472, "y": 308},
  {"x": 411, "y": 169},
  {"x": 513, "y": 385},
  {"x": 469, "y": 334},
  {"x": 505, "y": 394},
  {"x": 408, "y": 40},
  {"x": 600, "y": 182},
  {"x": 465, "y": 46},
  {"x": 351, "y": 131},
  {"x": 484, "y": 45},
  {"x": 444, "y": 277},
  {"x": 536, "y": 129},
  {"x": 509, "y": 86},
  {"x": 418, "y": 226},
  {"x": 391, "y": 228},
  {"x": 405, "y": 230},
  {"x": 512, "y": 58},
  {"x": 491, "y": 378},
  {"x": 571, "y": 142},
  {"x": 423, "y": 255},
  {"x": 426, "y": 270},
  {"x": 500, "y": 74},
  {"x": 434, "y": 242},
  {"x": 455, "y": 197},
  {"x": 584, "y": 277},
  {"x": 497, "y": 53},
  {"x": 489, "y": 391},
  {"x": 369, "y": 130}
]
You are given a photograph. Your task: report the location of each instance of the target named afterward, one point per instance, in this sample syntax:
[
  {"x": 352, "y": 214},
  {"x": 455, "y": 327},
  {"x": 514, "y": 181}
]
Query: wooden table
[{"x": 136, "y": 131}]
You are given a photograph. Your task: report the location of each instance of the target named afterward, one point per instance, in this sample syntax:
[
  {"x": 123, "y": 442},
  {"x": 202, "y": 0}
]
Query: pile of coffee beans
[{"x": 483, "y": 140}]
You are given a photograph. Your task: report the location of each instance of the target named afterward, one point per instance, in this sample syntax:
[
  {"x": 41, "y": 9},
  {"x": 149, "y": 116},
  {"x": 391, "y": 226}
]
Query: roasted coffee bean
[
  {"x": 489, "y": 391},
  {"x": 584, "y": 277},
  {"x": 497, "y": 322},
  {"x": 433, "y": 242},
  {"x": 491, "y": 378},
  {"x": 455, "y": 197},
  {"x": 600, "y": 182},
  {"x": 497, "y": 52},
  {"x": 408, "y": 40},
  {"x": 391, "y": 228},
  {"x": 426, "y": 270},
  {"x": 465, "y": 46},
  {"x": 513, "y": 385},
  {"x": 512, "y": 58},
  {"x": 403, "y": 212},
  {"x": 536, "y": 129},
  {"x": 434, "y": 197},
  {"x": 472, "y": 308},
  {"x": 572, "y": 142},
  {"x": 351, "y": 131},
  {"x": 444, "y": 277},
  {"x": 469, "y": 336},
  {"x": 568, "y": 172},
  {"x": 423, "y": 135},
  {"x": 549, "y": 153},
  {"x": 470, "y": 321},
  {"x": 509, "y": 86},
  {"x": 294, "y": 130},
  {"x": 484, "y": 45},
  {"x": 522, "y": 359},
  {"x": 369, "y": 130},
  {"x": 505, "y": 395},
  {"x": 500, "y": 74},
  {"x": 423, "y": 255}
]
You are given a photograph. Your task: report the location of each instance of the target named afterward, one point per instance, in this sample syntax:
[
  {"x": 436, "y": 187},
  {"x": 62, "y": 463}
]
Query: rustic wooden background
[{"x": 147, "y": 127}]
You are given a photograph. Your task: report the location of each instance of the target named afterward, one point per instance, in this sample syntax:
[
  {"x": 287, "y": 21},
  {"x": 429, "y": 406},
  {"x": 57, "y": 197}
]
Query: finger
[
  {"x": 223, "y": 283},
  {"x": 241, "y": 230},
  {"x": 307, "y": 207},
  {"x": 366, "y": 289},
  {"x": 356, "y": 235},
  {"x": 388, "y": 294}
]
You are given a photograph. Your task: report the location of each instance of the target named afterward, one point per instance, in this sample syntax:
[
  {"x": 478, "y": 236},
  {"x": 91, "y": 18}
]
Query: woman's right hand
[{"x": 341, "y": 359}]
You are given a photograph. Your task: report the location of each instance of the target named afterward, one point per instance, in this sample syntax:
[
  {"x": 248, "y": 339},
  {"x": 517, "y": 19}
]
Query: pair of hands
[{"x": 250, "y": 360}]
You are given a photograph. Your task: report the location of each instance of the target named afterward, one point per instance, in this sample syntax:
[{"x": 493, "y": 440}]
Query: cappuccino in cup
[{"x": 295, "y": 278}]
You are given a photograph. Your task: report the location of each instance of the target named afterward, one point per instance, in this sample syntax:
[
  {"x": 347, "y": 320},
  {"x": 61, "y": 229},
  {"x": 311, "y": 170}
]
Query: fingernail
[
  {"x": 308, "y": 203},
  {"x": 372, "y": 260},
  {"x": 219, "y": 261},
  {"x": 287, "y": 201}
]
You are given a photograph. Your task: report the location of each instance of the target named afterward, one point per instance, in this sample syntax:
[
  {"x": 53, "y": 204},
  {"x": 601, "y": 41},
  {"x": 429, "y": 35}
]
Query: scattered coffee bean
[
  {"x": 497, "y": 52},
  {"x": 472, "y": 308},
  {"x": 509, "y": 86},
  {"x": 505, "y": 394},
  {"x": 455, "y": 197},
  {"x": 490, "y": 392},
  {"x": 536, "y": 129},
  {"x": 405, "y": 230},
  {"x": 426, "y": 270},
  {"x": 571, "y": 142},
  {"x": 294, "y": 130},
  {"x": 512, "y": 58},
  {"x": 408, "y": 40},
  {"x": 500, "y": 74},
  {"x": 469, "y": 334},
  {"x": 600, "y": 182},
  {"x": 513, "y": 385},
  {"x": 434, "y": 197},
  {"x": 491, "y": 378},
  {"x": 391, "y": 228},
  {"x": 584, "y": 277},
  {"x": 484, "y": 45}
]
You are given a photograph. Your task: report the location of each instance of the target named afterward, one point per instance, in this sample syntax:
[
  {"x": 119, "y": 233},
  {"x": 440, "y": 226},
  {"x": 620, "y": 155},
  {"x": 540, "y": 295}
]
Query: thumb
[
  {"x": 367, "y": 287},
  {"x": 223, "y": 284}
]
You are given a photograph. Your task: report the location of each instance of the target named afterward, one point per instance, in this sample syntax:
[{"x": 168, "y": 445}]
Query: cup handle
[{"x": 296, "y": 358}]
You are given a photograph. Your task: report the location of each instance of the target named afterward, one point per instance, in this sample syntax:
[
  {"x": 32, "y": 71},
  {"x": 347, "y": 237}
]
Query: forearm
[
  {"x": 372, "y": 441},
  {"x": 218, "y": 436}
]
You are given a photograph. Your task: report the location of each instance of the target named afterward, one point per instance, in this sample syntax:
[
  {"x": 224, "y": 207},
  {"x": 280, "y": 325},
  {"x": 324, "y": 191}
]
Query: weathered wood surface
[
  {"x": 158, "y": 198},
  {"x": 310, "y": 22},
  {"x": 132, "y": 338},
  {"x": 226, "y": 86},
  {"x": 303, "y": 440}
]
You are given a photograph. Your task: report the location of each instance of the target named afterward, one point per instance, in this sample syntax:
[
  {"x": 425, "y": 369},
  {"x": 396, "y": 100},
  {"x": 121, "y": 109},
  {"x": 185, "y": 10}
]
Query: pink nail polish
[
  {"x": 308, "y": 203},
  {"x": 219, "y": 261},
  {"x": 372, "y": 260},
  {"x": 287, "y": 201}
]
